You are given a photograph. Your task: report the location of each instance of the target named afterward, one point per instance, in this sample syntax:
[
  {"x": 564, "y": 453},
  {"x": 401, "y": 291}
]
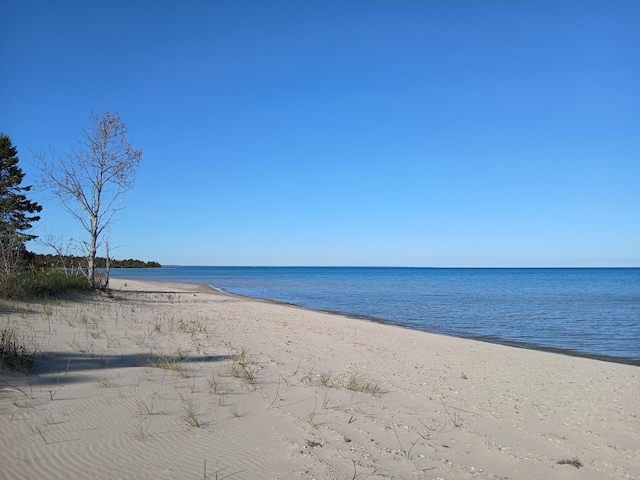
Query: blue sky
[{"x": 411, "y": 133}]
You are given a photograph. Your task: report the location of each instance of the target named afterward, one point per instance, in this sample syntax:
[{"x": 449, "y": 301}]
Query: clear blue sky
[{"x": 412, "y": 133}]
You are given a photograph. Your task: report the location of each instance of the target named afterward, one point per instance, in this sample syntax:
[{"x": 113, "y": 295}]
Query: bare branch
[{"x": 90, "y": 181}]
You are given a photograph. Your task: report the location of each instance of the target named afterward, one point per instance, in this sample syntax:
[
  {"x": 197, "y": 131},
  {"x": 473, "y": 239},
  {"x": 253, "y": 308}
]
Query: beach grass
[
  {"x": 42, "y": 285},
  {"x": 190, "y": 415},
  {"x": 245, "y": 368},
  {"x": 15, "y": 351}
]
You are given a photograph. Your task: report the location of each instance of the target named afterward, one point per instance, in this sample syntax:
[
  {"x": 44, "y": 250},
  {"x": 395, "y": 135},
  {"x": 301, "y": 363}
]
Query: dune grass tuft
[
  {"x": 14, "y": 353},
  {"x": 172, "y": 363},
  {"x": 359, "y": 383},
  {"x": 191, "y": 417},
  {"x": 245, "y": 368}
]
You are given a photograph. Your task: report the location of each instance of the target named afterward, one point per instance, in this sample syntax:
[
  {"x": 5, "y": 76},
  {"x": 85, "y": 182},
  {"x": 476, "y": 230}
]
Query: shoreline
[
  {"x": 496, "y": 341},
  {"x": 168, "y": 380},
  {"x": 525, "y": 327}
]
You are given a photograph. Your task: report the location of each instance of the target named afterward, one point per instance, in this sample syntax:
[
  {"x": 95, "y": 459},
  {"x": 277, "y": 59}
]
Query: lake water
[{"x": 592, "y": 312}]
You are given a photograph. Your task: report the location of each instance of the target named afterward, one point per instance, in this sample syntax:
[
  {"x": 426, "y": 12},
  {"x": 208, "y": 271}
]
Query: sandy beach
[{"x": 178, "y": 381}]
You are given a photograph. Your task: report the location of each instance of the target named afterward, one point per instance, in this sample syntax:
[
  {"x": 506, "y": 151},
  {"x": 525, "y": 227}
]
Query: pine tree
[{"x": 17, "y": 212}]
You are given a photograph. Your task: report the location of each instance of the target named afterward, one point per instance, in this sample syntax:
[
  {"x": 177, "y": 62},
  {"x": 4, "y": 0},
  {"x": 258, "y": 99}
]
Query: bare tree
[
  {"x": 65, "y": 250},
  {"x": 90, "y": 181}
]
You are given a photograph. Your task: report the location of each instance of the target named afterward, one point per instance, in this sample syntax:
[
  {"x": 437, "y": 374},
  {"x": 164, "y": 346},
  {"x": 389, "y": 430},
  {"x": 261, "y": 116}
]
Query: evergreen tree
[{"x": 17, "y": 212}]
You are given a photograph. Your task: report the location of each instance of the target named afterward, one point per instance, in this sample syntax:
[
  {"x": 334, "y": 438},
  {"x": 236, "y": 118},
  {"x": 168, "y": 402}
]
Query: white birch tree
[{"x": 90, "y": 181}]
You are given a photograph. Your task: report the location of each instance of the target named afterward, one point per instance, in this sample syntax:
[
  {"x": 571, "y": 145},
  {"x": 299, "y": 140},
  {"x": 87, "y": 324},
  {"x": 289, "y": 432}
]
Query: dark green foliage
[
  {"x": 130, "y": 263},
  {"x": 17, "y": 213},
  {"x": 16, "y": 210},
  {"x": 40, "y": 261},
  {"x": 27, "y": 285}
]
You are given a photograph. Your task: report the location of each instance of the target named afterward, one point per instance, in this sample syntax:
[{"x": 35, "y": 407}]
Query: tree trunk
[
  {"x": 108, "y": 267},
  {"x": 91, "y": 258}
]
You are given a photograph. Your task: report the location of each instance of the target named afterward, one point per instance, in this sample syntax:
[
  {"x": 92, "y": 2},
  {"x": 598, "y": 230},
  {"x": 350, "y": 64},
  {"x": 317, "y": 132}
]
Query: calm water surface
[{"x": 587, "y": 312}]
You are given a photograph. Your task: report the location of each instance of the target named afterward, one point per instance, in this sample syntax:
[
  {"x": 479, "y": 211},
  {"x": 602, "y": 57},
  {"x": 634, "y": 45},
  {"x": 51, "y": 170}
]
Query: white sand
[{"x": 98, "y": 405}]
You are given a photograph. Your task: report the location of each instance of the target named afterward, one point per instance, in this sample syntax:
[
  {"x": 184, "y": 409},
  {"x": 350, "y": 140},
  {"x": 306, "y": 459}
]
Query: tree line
[{"x": 46, "y": 260}]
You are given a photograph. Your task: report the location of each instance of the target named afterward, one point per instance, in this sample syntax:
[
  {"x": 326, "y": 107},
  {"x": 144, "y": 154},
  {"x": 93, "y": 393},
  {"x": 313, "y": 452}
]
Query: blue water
[{"x": 592, "y": 312}]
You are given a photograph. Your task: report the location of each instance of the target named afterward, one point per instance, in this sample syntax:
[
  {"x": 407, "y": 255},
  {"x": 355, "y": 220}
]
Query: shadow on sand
[{"x": 63, "y": 367}]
